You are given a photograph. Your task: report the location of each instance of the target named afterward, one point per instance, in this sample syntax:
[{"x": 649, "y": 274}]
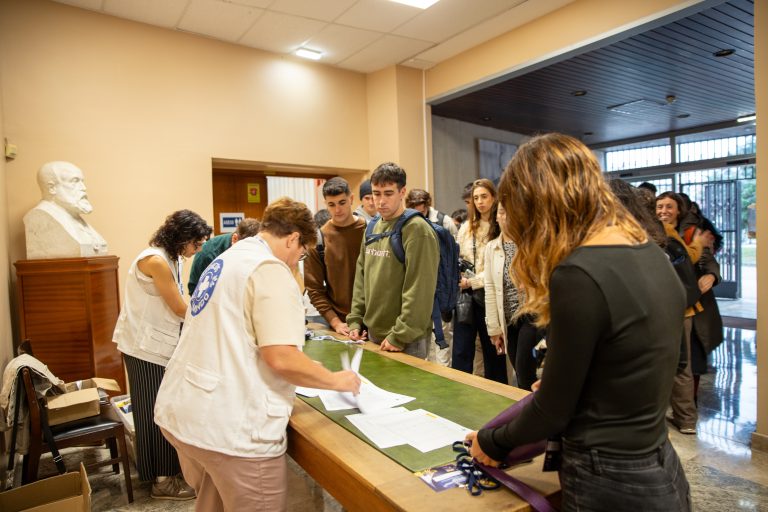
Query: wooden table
[{"x": 362, "y": 478}]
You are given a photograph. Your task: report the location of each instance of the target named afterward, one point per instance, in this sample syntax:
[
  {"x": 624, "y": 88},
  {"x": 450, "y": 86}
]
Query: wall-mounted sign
[
  {"x": 229, "y": 221},
  {"x": 254, "y": 193}
]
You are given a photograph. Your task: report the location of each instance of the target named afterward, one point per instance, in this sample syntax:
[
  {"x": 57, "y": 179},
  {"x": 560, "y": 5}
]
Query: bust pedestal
[{"x": 68, "y": 308}]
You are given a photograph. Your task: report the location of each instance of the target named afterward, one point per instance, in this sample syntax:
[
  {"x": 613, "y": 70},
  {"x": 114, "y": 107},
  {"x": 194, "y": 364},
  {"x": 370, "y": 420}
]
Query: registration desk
[{"x": 362, "y": 478}]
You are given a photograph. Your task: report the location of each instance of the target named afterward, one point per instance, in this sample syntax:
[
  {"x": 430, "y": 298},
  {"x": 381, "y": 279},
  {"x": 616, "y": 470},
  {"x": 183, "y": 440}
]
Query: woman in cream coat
[{"x": 502, "y": 300}]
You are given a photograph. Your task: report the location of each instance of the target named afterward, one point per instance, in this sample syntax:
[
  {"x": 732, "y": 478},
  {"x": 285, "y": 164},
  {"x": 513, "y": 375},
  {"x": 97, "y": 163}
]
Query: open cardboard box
[
  {"x": 80, "y": 401},
  {"x": 69, "y": 492}
]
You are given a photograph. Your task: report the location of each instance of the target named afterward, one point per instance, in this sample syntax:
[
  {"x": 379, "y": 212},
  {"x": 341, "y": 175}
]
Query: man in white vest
[
  {"x": 228, "y": 390},
  {"x": 55, "y": 227}
]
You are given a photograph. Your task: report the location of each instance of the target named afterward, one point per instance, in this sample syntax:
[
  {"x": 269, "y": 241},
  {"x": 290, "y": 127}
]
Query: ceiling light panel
[
  {"x": 419, "y": 4},
  {"x": 281, "y": 33},
  {"x": 218, "y": 19},
  {"x": 449, "y": 18}
]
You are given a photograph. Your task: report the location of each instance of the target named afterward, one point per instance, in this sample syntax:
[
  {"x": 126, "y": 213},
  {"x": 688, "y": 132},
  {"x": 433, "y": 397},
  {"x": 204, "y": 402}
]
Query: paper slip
[
  {"x": 382, "y": 437},
  {"x": 333, "y": 338},
  {"x": 371, "y": 398},
  {"x": 421, "y": 429},
  {"x": 307, "y": 392}
]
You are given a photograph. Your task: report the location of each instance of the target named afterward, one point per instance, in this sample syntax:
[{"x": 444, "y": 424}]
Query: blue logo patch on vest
[{"x": 205, "y": 286}]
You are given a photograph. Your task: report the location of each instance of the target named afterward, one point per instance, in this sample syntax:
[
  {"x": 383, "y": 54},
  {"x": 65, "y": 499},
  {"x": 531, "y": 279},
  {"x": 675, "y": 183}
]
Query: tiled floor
[{"x": 725, "y": 475}]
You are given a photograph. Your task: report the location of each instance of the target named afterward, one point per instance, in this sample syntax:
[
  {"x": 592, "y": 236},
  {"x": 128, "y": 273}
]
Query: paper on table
[
  {"x": 371, "y": 398},
  {"x": 421, "y": 429},
  {"x": 382, "y": 437},
  {"x": 308, "y": 392}
]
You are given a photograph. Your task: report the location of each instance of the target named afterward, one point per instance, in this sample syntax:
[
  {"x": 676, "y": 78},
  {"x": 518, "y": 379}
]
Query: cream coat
[{"x": 494, "y": 288}]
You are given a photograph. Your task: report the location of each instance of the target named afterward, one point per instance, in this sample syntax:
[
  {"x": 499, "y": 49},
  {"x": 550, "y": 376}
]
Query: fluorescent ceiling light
[
  {"x": 309, "y": 54},
  {"x": 421, "y": 4},
  {"x": 744, "y": 119}
]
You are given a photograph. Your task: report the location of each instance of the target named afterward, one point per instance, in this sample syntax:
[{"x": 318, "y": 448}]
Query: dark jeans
[
  {"x": 463, "y": 355},
  {"x": 595, "y": 481},
  {"x": 522, "y": 336}
]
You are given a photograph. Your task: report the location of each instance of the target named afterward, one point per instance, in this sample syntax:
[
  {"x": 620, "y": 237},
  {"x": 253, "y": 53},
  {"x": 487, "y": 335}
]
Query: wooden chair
[{"x": 98, "y": 429}]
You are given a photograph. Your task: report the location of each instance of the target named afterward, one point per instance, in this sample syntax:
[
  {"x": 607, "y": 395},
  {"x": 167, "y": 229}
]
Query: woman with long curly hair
[
  {"x": 147, "y": 332},
  {"x": 481, "y": 227},
  {"x": 591, "y": 276}
]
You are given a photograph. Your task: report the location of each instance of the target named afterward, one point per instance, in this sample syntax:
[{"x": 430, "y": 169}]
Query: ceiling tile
[
  {"x": 281, "y": 33},
  {"x": 484, "y": 31},
  {"x": 450, "y": 17},
  {"x": 325, "y": 10},
  {"x": 249, "y": 3},
  {"x": 338, "y": 42},
  {"x": 165, "y": 14},
  {"x": 218, "y": 19},
  {"x": 384, "y": 52},
  {"x": 380, "y": 15},
  {"x": 93, "y": 5}
]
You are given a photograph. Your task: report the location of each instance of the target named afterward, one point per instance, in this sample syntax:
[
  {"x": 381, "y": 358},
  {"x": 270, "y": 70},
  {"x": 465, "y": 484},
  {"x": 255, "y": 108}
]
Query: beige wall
[
  {"x": 760, "y": 438},
  {"x": 570, "y": 27},
  {"x": 396, "y": 114},
  {"x": 5, "y": 283},
  {"x": 142, "y": 110}
]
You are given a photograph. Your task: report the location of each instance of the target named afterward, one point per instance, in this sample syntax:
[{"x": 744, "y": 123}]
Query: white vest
[
  {"x": 218, "y": 393},
  {"x": 147, "y": 327}
]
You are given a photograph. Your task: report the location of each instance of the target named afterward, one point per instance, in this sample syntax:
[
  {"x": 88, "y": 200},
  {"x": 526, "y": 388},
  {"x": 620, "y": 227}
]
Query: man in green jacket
[
  {"x": 392, "y": 299},
  {"x": 212, "y": 248}
]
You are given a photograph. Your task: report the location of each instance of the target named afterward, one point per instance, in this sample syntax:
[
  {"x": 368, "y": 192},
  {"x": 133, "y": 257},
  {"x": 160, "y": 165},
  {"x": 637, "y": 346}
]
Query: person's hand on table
[
  {"x": 340, "y": 327},
  {"x": 477, "y": 452},
  {"x": 356, "y": 335},
  {"x": 388, "y": 347},
  {"x": 347, "y": 380}
]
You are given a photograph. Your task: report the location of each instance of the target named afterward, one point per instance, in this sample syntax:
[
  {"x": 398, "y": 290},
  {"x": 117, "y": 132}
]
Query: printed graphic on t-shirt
[{"x": 205, "y": 286}]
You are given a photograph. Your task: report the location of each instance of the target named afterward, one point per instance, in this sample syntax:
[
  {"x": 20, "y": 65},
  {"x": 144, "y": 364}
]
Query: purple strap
[{"x": 517, "y": 455}]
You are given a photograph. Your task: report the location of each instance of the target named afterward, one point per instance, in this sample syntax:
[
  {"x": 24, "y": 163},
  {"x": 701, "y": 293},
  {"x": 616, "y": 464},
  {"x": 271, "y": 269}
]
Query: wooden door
[{"x": 235, "y": 192}]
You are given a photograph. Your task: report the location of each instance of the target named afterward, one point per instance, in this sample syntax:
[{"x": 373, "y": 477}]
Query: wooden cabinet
[{"x": 68, "y": 308}]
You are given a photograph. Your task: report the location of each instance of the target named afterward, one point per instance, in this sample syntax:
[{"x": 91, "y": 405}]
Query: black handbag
[
  {"x": 478, "y": 296},
  {"x": 464, "y": 308}
]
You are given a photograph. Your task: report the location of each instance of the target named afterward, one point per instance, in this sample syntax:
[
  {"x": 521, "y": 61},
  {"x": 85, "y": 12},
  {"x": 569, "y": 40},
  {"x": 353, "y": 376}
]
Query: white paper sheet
[
  {"x": 308, "y": 392},
  {"x": 421, "y": 429}
]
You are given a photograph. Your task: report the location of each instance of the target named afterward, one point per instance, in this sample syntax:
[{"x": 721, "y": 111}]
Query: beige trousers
[{"x": 227, "y": 483}]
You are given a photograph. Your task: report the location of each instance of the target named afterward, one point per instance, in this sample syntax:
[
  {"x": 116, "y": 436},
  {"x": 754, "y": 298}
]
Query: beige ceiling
[{"x": 360, "y": 35}]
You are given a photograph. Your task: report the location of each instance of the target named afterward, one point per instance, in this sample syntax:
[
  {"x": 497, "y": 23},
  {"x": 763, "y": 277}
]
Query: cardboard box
[
  {"x": 69, "y": 492},
  {"x": 122, "y": 405},
  {"x": 80, "y": 401}
]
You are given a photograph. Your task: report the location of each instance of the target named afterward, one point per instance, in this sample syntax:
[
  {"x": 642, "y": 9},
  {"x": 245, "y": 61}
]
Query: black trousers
[
  {"x": 154, "y": 454},
  {"x": 463, "y": 355},
  {"x": 522, "y": 337}
]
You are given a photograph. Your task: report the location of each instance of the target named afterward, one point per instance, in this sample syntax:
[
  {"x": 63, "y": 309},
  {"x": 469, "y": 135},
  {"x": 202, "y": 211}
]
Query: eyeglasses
[{"x": 304, "y": 253}]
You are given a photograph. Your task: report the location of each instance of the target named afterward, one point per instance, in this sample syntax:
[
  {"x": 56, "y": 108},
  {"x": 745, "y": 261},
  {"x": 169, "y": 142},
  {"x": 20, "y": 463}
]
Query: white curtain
[{"x": 306, "y": 190}]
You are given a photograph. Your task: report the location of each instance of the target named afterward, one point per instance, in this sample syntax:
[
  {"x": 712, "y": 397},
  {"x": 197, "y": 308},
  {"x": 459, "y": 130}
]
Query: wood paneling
[
  {"x": 68, "y": 309},
  {"x": 230, "y": 194},
  {"x": 675, "y": 59}
]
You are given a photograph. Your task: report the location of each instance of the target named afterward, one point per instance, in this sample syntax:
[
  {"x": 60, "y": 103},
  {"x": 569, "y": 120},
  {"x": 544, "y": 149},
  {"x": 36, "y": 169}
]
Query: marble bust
[{"x": 55, "y": 227}]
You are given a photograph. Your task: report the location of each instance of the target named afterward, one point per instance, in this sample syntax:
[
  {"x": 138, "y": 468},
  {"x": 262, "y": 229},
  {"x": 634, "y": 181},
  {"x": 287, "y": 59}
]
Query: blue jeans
[{"x": 595, "y": 481}]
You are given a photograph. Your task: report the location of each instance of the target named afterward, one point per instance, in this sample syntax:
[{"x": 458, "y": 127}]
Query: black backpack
[{"x": 447, "y": 289}]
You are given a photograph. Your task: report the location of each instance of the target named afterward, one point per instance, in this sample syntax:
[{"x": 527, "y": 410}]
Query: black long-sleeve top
[{"x": 613, "y": 344}]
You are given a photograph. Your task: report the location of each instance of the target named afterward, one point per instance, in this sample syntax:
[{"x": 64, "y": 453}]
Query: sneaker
[{"x": 172, "y": 488}]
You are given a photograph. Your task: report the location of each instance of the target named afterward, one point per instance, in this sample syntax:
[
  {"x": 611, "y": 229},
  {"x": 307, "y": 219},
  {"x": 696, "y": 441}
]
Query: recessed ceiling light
[
  {"x": 309, "y": 54},
  {"x": 725, "y": 52},
  {"x": 580, "y": 92},
  {"x": 683, "y": 116},
  {"x": 744, "y": 119},
  {"x": 421, "y": 4}
]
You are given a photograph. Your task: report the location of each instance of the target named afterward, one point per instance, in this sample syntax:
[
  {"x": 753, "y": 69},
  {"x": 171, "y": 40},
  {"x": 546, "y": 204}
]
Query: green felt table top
[{"x": 466, "y": 405}]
